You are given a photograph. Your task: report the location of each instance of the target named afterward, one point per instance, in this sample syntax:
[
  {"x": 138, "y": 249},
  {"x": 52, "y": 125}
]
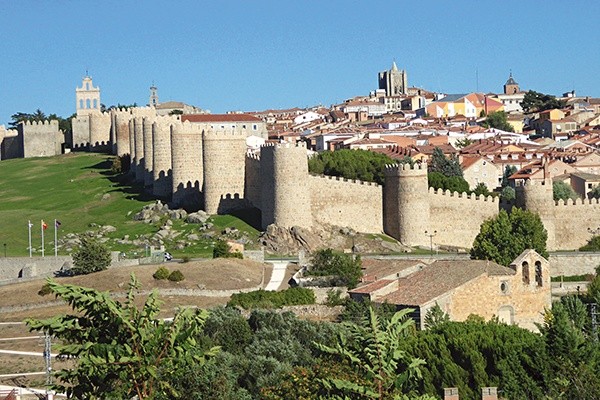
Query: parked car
[{"x": 168, "y": 256}]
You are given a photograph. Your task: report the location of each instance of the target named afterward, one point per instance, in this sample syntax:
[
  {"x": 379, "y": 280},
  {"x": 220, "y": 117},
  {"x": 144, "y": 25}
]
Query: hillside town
[{"x": 515, "y": 149}]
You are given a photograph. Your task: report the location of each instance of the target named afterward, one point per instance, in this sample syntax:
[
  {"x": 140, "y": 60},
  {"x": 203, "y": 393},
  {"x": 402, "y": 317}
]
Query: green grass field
[{"x": 72, "y": 188}]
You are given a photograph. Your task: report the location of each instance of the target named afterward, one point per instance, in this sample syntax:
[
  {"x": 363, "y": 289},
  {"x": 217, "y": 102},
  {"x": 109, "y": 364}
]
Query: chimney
[
  {"x": 489, "y": 393},
  {"x": 451, "y": 393}
]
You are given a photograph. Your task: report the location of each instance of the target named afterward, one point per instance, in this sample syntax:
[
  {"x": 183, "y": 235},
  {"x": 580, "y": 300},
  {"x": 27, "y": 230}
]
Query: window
[
  {"x": 254, "y": 127},
  {"x": 525, "y": 271},
  {"x": 589, "y": 185},
  {"x": 538, "y": 273},
  {"x": 504, "y": 287}
]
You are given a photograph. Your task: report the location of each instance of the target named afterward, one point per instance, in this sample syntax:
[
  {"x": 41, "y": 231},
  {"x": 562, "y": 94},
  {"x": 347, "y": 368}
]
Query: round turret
[
  {"x": 537, "y": 197},
  {"x": 224, "y": 154},
  {"x": 122, "y": 138},
  {"x": 161, "y": 146},
  {"x": 186, "y": 159},
  {"x": 138, "y": 157},
  {"x": 148, "y": 152},
  {"x": 286, "y": 198},
  {"x": 406, "y": 204}
]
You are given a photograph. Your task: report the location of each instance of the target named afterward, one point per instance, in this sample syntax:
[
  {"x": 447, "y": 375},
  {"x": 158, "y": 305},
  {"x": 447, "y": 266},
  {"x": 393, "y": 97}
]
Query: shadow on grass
[{"x": 251, "y": 216}]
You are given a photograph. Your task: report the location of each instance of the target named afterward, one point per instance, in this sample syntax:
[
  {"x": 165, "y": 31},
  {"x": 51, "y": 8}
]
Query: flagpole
[
  {"x": 29, "y": 230},
  {"x": 42, "y": 226},
  {"x": 55, "y": 239}
]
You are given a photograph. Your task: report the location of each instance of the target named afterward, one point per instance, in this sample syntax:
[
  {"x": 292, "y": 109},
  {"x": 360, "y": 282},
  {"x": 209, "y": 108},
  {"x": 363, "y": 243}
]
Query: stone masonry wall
[
  {"x": 285, "y": 189},
  {"x": 11, "y": 145},
  {"x": 574, "y": 221},
  {"x": 148, "y": 152},
  {"x": 25, "y": 267},
  {"x": 573, "y": 263},
  {"x": 99, "y": 138},
  {"x": 41, "y": 139},
  {"x": 186, "y": 159},
  {"x": 138, "y": 163},
  {"x": 161, "y": 146},
  {"x": 341, "y": 202},
  {"x": 252, "y": 189},
  {"x": 224, "y": 154},
  {"x": 456, "y": 218},
  {"x": 80, "y": 135},
  {"x": 122, "y": 139}
]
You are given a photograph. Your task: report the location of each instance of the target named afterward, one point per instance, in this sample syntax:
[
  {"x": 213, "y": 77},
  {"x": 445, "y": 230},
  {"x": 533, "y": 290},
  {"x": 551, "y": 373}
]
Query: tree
[
  {"x": 437, "y": 180},
  {"x": 503, "y": 238},
  {"x": 563, "y": 191},
  {"x": 328, "y": 262},
  {"x": 481, "y": 190},
  {"x": 446, "y": 166},
  {"x": 222, "y": 249},
  {"x": 595, "y": 192},
  {"x": 508, "y": 171},
  {"x": 120, "y": 350},
  {"x": 374, "y": 350},
  {"x": 498, "y": 120},
  {"x": 462, "y": 143},
  {"x": 91, "y": 256},
  {"x": 534, "y": 102},
  {"x": 353, "y": 164},
  {"x": 39, "y": 115},
  {"x": 508, "y": 194}
]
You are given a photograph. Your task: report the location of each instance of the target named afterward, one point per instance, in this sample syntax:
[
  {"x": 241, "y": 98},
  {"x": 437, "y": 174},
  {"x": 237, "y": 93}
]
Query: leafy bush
[
  {"x": 268, "y": 299},
  {"x": 91, "y": 256},
  {"x": 329, "y": 262},
  {"x": 592, "y": 245},
  {"x": 161, "y": 273},
  {"x": 352, "y": 164},
  {"x": 437, "y": 180},
  {"x": 223, "y": 250},
  {"x": 176, "y": 276},
  {"x": 45, "y": 290},
  {"x": 334, "y": 298},
  {"x": 563, "y": 191}
]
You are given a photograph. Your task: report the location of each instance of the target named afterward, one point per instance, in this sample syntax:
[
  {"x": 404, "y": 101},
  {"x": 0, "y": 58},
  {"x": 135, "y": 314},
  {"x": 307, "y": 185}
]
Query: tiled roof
[
  {"x": 220, "y": 118},
  {"x": 439, "y": 278},
  {"x": 376, "y": 269}
]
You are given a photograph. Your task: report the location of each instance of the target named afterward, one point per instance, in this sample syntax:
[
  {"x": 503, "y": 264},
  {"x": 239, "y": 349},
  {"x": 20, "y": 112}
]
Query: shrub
[
  {"x": 328, "y": 262},
  {"x": 268, "y": 299},
  {"x": 161, "y": 273},
  {"x": 45, "y": 290},
  {"x": 334, "y": 298},
  {"x": 176, "y": 276},
  {"x": 91, "y": 256},
  {"x": 223, "y": 250},
  {"x": 592, "y": 245}
]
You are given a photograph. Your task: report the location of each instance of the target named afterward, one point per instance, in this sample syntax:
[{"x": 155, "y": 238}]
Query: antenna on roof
[{"x": 476, "y": 79}]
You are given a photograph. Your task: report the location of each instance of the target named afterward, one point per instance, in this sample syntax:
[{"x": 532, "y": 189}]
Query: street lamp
[{"x": 431, "y": 235}]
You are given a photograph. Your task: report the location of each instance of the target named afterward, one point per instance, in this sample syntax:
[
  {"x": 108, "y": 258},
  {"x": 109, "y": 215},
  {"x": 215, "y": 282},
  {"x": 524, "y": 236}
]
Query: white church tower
[{"x": 88, "y": 97}]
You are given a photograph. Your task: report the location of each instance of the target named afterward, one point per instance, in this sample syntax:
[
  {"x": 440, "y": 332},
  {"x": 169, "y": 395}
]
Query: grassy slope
[{"x": 70, "y": 188}]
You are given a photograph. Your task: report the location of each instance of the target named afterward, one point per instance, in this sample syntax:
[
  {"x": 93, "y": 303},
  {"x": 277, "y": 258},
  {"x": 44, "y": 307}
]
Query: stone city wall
[
  {"x": 223, "y": 155},
  {"x": 187, "y": 167},
  {"x": 11, "y": 145},
  {"x": 161, "y": 147},
  {"x": 41, "y": 139},
  {"x": 24, "y": 267},
  {"x": 252, "y": 189},
  {"x": 99, "y": 131},
  {"x": 457, "y": 217},
  {"x": 573, "y": 263},
  {"x": 148, "y": 152},
  {"x": 574, "y": 221},
  {"x": 340, "y": 202},
  {"x": 80, "y": 132}
]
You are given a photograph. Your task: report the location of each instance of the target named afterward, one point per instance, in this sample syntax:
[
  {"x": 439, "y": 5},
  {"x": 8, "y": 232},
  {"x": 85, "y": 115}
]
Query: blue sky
[{"x": 253, "y": 55}]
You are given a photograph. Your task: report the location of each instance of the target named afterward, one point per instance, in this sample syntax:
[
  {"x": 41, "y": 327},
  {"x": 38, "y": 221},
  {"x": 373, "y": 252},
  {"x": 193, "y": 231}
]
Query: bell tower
[
  {"x": 87, "y": 97},
  {"x": 153, "y": 96}
]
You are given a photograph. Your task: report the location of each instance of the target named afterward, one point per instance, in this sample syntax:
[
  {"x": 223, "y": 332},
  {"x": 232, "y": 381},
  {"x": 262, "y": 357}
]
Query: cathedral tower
[{"x": 394, "y": 81}]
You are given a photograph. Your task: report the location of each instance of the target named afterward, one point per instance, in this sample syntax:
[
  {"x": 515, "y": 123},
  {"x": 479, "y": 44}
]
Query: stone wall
[
  {"x": 457, "y": 217},
  {"x": 99, "y": 131},
  {"x": 573, "y": 263},
  {"x": 41, "y": 139},
  {"x": 284, "y": 186},
  {"x": 574, "y": 221},
  {"x": 252, "y": 188},
  {"x": 24, "y": 267},
  {"x": 122, "y": 139},
  {"x": 80, "y": 132},
  {"x": 186, "y": 159},
  {"x": 138, "y": 155},
  {"x": 348, "y": 203},
  {"x": 223, "y": 154},
  {"x": 11, "y": 144},
  {"x": 161, "y": 147},
  {"x": 148, "y": 155}
]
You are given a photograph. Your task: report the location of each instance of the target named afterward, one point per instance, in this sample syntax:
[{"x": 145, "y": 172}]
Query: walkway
[{"x": 278, "y": 274}]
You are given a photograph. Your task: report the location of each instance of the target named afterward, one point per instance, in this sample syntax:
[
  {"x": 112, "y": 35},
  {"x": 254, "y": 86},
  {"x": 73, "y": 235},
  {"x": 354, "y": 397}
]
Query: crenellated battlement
[
  {"x": 405, "y": 169},
  {"x": 253, "y": 156},
  {"x": 465, "y": 195},
  {"x": 577, "y": 202},
  {"x": 221, "y": 134},
  {"x": 47, "y": 122},
  {"x": 340, "y": 179},
  {"x": 285, "y": 145},
  {"x": 186, "y": 127}
]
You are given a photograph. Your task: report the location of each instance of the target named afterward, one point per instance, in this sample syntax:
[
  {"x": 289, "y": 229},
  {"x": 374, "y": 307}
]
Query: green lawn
[{"x": 72, "y": 188}]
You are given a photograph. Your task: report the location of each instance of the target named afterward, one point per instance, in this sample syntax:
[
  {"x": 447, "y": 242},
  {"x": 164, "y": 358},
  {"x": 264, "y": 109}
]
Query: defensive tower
[
  {"x": 186, "y": 153},
  {"x": 148, "y": 156},
  {"x": 138, "y": 156},
  {"x": 537, "y": 197},
  {"x": 161, "y": 146},
  {"x": 406, "y": 204},
  {"x": 224, "y": 154},
  {"x": 285, "y": 191}
]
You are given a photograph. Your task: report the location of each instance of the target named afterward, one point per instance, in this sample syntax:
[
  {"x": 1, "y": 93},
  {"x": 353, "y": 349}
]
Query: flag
[
  {"x": 44, "y": 225},
  {"x": 57, "y": 223}
]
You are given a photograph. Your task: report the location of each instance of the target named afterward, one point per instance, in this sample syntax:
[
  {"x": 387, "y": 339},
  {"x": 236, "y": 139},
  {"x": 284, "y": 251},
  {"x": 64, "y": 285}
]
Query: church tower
[
  {"x": 394, "y": 81},
  {"x": 153, "y": 96},
  {"x": 88, "y": 97},
  {"x": 511, "y": 86}
]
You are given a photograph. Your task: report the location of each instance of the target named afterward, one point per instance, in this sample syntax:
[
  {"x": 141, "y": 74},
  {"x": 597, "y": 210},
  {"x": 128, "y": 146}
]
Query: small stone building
[{"x": 517, "y": 294}]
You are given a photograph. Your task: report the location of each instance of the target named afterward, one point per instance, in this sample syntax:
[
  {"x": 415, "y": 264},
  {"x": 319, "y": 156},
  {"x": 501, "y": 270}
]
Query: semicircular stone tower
[
  {"x": 286, "y": 199},
  {"x": 406, "y": 204},
  {"x": 224, "y": 154},
  {"x": 161, "y": 147},
  {"x": 186, "y": 159},
  {"x": 537, "y": 196}
]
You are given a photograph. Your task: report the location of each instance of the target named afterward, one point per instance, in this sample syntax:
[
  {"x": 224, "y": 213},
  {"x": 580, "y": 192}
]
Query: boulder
[{"x": 198, "y": 217}]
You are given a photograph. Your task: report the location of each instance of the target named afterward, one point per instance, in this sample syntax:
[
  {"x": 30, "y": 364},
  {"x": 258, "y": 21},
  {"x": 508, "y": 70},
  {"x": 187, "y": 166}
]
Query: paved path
[
  {"x": 278, "y": 274},
  {"x": 25, "y": 353}
]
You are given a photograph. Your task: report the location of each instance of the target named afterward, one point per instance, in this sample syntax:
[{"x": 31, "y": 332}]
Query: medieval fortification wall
[{"x": 40, "y": 139}]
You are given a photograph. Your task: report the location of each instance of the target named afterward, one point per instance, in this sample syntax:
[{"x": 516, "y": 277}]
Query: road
[{"x": 278, "y": 274}]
